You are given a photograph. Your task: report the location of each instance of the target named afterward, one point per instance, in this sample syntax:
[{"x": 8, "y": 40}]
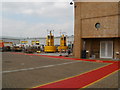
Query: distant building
[
  {"x": 32, "y": 41},
  {"x": 8, "y": 41},
  {"x": 69, "y": 40},
  {"x": 97, "y": 30}
]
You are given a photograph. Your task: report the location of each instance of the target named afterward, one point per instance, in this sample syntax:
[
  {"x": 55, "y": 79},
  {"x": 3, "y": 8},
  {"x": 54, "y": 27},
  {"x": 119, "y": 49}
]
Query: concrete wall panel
[
  {"x": 108, "y": 27},
  {"x": 98, "y": 9}
]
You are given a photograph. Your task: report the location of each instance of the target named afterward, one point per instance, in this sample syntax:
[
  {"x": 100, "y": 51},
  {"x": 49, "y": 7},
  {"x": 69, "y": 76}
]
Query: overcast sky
[{"x": 32, "y": 19}]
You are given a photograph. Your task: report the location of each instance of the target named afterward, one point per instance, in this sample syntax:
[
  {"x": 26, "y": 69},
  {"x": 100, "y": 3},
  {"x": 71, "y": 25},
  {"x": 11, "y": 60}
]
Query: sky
[{"x": 33, "y": 19}]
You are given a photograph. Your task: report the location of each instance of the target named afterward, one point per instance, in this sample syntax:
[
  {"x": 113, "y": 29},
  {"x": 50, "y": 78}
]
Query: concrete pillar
[
  {"x": 117, "y": 48},
  {"x": 77, "y": 32}
]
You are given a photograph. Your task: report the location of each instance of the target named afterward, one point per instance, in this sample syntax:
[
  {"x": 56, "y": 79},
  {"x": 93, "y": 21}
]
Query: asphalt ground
[
  {"x": 25, "y": 71},
  {"x": 111, "y": 81}
]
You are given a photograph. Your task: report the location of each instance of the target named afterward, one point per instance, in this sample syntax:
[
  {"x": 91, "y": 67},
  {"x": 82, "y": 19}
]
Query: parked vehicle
[
  {"x": 31, "y": 49},
  {"x": 16, "y": 48},
  {"x": 6, "y": 48}
]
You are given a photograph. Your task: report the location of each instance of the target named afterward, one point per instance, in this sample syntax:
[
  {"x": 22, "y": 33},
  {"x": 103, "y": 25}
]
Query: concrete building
[{"x": 97, "y": 29}]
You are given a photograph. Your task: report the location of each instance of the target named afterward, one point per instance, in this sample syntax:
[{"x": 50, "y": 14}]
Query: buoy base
[
  {"x": 50, "y": 49},
  {"x": 62, "y": 48}
]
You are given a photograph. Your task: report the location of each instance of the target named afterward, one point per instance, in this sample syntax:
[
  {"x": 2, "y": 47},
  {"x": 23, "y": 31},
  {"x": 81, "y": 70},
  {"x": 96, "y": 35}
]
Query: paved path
[
  {"x": 85, "y": 79},
  {"x": 29, "y": 70}
]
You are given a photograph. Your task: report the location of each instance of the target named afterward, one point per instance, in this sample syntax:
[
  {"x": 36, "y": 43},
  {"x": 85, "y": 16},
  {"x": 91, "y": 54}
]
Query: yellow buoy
[
  {"x": 50, "y": 44},
  {"x": 63, "y": 46}
]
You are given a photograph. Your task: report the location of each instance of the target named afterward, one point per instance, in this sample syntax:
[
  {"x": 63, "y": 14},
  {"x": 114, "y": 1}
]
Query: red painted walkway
[{"x": 85, "y": 79}]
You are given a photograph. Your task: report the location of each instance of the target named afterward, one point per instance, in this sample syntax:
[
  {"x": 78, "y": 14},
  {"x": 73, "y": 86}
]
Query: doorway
[{"x": 106, "y": 49}]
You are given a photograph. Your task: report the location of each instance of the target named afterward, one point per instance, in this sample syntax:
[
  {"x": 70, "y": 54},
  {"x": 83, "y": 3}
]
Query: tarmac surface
[
  {"x": 109, "y": 82},
  {"x": 26, "y": 71}
]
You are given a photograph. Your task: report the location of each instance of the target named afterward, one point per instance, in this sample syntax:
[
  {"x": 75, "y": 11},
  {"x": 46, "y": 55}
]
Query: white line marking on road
[{"x": 25, "y": 69}]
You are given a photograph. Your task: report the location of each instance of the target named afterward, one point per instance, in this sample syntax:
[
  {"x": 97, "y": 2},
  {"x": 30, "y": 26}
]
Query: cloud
[
  {"x": 36, "y": 0},
  {"x": 50, "y": 9},
  {"x": 32, "y": 19},
  {"x": 23, "y": 29}
]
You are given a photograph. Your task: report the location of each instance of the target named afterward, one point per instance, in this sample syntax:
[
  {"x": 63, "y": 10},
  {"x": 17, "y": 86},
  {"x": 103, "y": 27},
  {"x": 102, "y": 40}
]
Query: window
[{"x": 97, "y": 25}]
